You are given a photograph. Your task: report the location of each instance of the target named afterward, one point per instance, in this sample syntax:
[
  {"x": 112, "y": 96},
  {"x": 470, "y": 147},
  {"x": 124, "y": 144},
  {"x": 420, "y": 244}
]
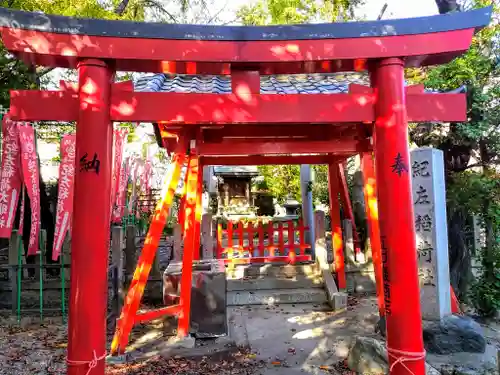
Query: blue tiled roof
[
  {"x": 332, "y": 83},
  {"x": 279, "y": 84}
]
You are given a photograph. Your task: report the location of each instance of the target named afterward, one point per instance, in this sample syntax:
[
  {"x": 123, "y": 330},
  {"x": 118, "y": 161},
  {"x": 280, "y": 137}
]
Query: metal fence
[{"x": 40, "y": 288}]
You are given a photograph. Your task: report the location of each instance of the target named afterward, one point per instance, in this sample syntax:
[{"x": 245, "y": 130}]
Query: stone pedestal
[
  {"x": 208, "y": 300},
  {"x": 429, "y": 201}
]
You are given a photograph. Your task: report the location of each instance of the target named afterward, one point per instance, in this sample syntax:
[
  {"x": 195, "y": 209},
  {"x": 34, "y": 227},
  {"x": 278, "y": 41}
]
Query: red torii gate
[{"x": 377, "y": 115}]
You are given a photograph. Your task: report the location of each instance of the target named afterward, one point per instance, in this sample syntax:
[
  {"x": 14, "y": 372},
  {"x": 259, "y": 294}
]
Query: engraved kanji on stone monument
[{"x": 429, "y": 206}]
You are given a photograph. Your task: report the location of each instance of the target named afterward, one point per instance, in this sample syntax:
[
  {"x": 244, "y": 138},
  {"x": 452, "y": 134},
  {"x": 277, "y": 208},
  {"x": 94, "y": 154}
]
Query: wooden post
[
  {"x": 270, "y": 240},
  {"x": 91, "y": 218},
  {"x": 13, "y": 265},
  {"x": 130, "y": 251},
  {"x": 117, "y": 261},
  {"x": 241, "y": 235},
  {"x": 207, "y": 238},
  {"x": 307, "y": 202},
  {"x": 370, "y": 196},
  {"x": 230, "y": 235},
  {"x": 178, "y": 229},
  {"x": 155, "y": 267},
  {"x": 220, "y": 249},
  {"x": 336, "y": 225},
  {"x": 250, "y": 239},
  {"x": 191, "y": 244},
  {"x": 291, "y": 239},
  {"x": 302, "y": 243},
  {"x": 281, "y": 239},
  {"x": 348, "y": 243},
  {"x": 261, "y": 239},
  {"x": 405, "y": 343},
  {"x": 66, "y": 251}
]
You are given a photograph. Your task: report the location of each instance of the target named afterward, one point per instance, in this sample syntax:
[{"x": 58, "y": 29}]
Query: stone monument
[{"x": 429, "y": 201}]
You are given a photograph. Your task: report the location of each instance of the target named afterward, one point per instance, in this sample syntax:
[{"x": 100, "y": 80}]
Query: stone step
[
  {"x": 276, "y": 296},
  {"x": 267, "y": 283},
  {"x": 273, "y": 270}
]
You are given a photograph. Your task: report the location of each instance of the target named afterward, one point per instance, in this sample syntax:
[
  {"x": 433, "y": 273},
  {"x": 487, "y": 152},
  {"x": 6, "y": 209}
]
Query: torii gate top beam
[{"x": 157, "y": 47}]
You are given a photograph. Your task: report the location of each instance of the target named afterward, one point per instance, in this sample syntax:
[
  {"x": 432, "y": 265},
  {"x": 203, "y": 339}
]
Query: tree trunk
[
  {"x": 446, "y": 6},
  {"x": 459, "y": 254}
]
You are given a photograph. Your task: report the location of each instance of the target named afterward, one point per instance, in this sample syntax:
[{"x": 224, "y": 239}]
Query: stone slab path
[{"x": 302, "y": 339}]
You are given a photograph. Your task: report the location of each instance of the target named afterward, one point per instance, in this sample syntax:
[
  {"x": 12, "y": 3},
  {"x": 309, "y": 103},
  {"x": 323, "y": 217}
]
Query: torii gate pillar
[
  {"x": 399, "y": 254},
  {"x": 91, "y": 221}
]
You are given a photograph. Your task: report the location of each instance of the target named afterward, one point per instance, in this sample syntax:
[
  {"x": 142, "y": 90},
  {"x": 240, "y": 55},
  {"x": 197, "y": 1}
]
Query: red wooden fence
[{"x": 243, "y": 247}]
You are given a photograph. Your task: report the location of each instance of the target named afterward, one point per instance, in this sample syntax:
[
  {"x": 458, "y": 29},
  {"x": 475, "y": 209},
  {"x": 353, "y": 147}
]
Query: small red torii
[{"x": 99, "y": 48}]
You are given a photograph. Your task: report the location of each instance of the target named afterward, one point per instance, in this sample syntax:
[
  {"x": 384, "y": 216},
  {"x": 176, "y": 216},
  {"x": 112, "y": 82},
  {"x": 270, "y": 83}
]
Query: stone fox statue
[{"x": 47, "y": 223}]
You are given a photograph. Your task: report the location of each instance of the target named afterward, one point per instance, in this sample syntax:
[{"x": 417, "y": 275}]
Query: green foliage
[
  {"x": 485, "y": 290},
  {"x": 283, "y": 181},
  {"x": 475, "y": 143},
  {"x": 84, "y": 8},
  {"x": 278, "y": 12},
  {"x": 479, "y": 192},
  {"x": 320, "y": 184},
  {"x": 14, "y": 74},
  {"x": 478, "y": 69}
]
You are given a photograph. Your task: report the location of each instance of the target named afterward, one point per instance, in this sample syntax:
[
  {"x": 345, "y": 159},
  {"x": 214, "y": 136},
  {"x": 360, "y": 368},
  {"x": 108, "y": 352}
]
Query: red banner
[
  {"x": 135, "y": 172},
  {"x": 121, "y": 194},
  {"x": 65, "y": 193},
  {"x": 31, "y": 177},
  {"x": 119, "y": 137},
  {"x": 146, "y": 183},
  {"x": 10, "y": 181}
]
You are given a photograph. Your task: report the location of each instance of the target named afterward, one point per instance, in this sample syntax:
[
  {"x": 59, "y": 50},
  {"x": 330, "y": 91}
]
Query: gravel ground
[
  {"x": 34, "y": 349},
  {"x": 41, "y": 350}
]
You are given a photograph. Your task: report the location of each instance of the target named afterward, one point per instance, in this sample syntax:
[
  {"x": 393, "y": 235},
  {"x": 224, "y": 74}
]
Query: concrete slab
[
  {"x": 300, "y": 339},
  {"x": 273, "y": 270},
  {"x": 337, "y": 300},
  {"x": 307, "y": 339},
  {"x": 263, "y": 283},
  {"x": 276, "y": 296}
]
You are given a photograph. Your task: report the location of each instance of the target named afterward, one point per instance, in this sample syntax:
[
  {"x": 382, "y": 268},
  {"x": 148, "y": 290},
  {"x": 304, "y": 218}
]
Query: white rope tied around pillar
[
  {"x": 402, "y": 357},
  {"x": 92, "y": 363}
]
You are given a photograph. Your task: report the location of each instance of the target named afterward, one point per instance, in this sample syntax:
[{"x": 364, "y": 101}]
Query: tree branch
[
  {"x": 217, "y": 13},
  {"x": 161, "y": 8},
  {"x": 120, "y": 9},
  {"x": 41, "y": 71}
]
